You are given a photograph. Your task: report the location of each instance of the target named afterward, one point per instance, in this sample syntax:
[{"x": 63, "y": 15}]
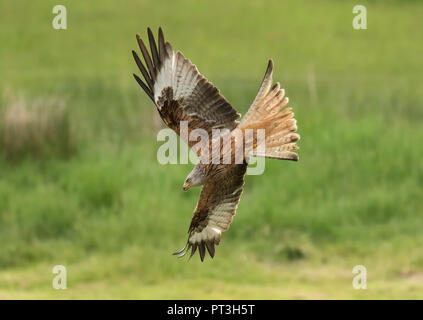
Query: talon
[
  {"x": 182, "y": 254},
  {"x": 178, "y": 252}
]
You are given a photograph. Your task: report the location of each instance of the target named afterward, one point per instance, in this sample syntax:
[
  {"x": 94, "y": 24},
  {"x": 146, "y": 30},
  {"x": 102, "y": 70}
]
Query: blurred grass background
[{"x": 97, "y": 201}]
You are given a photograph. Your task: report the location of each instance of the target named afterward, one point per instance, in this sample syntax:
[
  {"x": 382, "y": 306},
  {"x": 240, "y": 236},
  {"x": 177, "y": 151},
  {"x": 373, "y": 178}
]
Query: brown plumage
[{"x": 181, "y": 93}]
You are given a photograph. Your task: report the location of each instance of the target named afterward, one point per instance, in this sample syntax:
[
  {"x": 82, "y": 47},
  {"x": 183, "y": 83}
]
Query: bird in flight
[{"x": 182, "y": 95}]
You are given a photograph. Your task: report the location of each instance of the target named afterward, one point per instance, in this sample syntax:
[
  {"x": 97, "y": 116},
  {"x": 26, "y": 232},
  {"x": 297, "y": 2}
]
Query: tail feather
[
  {"x": 268, "y": 112},
  {"x": 288, "y": 139}
]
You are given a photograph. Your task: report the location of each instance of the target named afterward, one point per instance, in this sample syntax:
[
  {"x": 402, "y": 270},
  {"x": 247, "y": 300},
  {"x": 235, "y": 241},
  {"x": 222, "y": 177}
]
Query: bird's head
[{"x": 195, "y": 178}]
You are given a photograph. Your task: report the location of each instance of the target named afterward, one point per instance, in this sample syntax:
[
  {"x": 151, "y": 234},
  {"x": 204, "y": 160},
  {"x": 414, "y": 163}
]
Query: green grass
[{"x": 112, "y": 214}]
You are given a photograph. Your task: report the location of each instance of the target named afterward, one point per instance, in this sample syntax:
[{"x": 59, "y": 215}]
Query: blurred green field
[{"x": 112, "y": 214}]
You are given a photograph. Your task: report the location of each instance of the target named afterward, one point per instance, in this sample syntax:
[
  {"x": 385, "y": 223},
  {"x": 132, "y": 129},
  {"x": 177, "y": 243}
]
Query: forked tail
[{"x": 268, "y": 112}]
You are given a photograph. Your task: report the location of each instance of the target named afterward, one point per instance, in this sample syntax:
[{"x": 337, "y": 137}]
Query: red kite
[{"x": 181, "y": 93}]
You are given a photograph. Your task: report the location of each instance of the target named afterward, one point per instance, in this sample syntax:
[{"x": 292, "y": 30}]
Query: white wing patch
[
  {"x": 208, "y": 233},
  {"x": 164, "y": 77},
  {"x": 222, "y": 215},
  {"x": 178, "y": 73}
]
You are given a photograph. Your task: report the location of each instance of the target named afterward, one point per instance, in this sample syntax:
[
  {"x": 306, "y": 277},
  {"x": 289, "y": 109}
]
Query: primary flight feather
[{"x": 181, "y": 93}]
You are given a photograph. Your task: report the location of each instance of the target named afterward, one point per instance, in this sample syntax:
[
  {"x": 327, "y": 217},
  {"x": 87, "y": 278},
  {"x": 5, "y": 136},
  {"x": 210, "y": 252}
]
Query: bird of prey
[{"x": 180, "y": 93}]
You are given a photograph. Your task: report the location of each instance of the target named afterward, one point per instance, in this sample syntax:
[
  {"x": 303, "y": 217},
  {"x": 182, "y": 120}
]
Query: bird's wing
[
  {"x": 215, "y": 210},
  {"x": 179, "y": 91}
]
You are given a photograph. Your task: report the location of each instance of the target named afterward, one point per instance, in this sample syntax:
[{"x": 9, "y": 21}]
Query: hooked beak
[{"x": 186, "y": 186}]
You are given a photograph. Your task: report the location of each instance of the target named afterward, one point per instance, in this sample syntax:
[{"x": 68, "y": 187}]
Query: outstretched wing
[
  {"x": 179, "y": 91},
  {"x": 215, "y": 210}
]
